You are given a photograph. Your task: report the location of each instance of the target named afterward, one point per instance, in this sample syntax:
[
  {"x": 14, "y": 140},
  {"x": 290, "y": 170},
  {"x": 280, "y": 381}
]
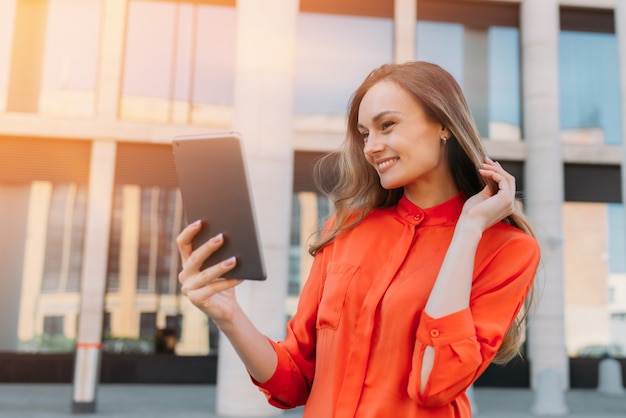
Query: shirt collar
[{"x": 448, "y": 211}]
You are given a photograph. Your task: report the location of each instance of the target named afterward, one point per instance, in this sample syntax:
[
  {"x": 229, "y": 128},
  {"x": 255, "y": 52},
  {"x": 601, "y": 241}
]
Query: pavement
[{"x": 195, "y": 401}]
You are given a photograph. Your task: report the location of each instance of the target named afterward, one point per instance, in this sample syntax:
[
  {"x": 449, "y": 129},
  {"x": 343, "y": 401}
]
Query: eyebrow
[{"x": 379, "y": 116}]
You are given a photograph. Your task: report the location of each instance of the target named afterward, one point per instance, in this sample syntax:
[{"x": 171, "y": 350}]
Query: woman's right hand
[
  {"x": 215, "y": 296},
  {"x": 207, "y": 289}
]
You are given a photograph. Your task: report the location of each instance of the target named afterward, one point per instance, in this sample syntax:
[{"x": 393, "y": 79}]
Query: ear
[{"x": 445, "y": 132}]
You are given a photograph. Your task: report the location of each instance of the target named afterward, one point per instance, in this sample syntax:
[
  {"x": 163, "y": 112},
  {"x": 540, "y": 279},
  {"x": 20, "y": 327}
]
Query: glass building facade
[{"x": 178, "y": 69}]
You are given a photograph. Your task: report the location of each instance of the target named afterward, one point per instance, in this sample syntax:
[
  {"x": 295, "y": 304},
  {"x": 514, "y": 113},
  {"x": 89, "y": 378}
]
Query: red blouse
[{"x": 355, "y": 346}]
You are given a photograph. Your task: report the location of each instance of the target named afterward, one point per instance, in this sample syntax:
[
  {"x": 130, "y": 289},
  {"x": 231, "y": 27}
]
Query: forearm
[
  {"x": 451, "y": 292},
  {"x": 254, "y": 349},
  {"x": 452, "y": 288}
]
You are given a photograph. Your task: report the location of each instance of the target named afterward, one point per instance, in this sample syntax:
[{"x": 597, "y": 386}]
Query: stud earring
[{"x": 443, "y": 140}]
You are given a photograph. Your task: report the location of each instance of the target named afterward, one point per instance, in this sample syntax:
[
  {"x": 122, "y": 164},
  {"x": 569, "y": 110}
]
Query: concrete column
[
  {"x": 125, "y": 319},
  {"x": 404, "y": 27},
  {"x": 264, "y": 90},
  {"x": 111, "y": 58},
  {"x": 38, "y": 207},
  {"x": 620, "y": 29},
  {"x": 544, "y": 182},
  {"x": 93, "y": 276}
]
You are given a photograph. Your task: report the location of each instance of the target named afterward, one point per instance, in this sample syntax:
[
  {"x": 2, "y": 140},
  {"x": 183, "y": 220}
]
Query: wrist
[
  {"x": 468, "y": 230},
  {"x": 229, "y": 322}
]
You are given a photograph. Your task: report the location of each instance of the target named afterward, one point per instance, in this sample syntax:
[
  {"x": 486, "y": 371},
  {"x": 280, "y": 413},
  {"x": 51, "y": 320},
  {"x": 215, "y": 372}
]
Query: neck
[{"x": 427, "y": 196}]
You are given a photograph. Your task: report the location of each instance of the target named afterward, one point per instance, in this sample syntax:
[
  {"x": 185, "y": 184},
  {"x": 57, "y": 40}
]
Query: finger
[
  {"x": 183, "y": 240},
  {"x": 204, "y": 251},
  {"x": 214, "y": 287},
  {"x": 499, "y": 181},
  {"x": 207, "y": 276}
]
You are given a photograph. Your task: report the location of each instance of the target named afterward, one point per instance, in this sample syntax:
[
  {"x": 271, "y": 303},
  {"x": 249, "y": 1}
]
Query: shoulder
[
  {"x": 502, "y": 233},
  {"x": 504, "y": 240},
  {"x": 506, "y": 256}
]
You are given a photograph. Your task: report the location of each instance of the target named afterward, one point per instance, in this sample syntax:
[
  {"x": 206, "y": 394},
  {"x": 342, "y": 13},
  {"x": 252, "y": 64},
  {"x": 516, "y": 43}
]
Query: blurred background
[{"x": 93, "y": 91}]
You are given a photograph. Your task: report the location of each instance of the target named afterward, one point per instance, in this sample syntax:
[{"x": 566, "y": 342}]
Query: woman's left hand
[{"x": 488, "y": 207}]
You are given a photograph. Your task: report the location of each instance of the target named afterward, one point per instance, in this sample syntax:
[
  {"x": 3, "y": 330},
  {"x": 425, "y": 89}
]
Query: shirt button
[{"x": 434, "y": 333}]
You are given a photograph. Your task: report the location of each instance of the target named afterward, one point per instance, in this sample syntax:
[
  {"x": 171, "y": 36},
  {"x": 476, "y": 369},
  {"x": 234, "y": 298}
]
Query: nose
[{"x": 373, "y": 145}]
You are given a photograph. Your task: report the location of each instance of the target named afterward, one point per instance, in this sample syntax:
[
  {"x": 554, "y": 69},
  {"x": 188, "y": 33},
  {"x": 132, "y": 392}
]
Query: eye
[
  {"x": 386, "y": 125},
  {"x": 364, "y": 135}
]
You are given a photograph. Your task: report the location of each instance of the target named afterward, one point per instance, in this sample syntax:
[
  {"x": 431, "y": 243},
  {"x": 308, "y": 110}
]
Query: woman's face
[{"x": 404, "y": 146}]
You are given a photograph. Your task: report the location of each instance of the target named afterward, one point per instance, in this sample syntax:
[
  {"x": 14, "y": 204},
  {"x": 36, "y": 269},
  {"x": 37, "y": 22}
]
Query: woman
[{"x": 418, "y": 277}]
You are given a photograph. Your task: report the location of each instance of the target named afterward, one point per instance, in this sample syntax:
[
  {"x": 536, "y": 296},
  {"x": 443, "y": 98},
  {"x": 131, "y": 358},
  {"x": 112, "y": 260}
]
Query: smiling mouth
[{"x": 384, "y": 164}]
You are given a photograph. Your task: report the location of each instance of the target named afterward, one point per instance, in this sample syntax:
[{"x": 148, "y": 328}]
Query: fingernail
[
  {"x": 196, "y": 223},
  {"x": 230, "y": 261},
  {"x": 217, "y": 238}
]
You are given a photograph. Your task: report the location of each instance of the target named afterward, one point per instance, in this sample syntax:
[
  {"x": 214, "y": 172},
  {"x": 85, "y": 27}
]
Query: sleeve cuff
[
  {"x": 447, "y": 329},
  {"x": 277, "y": 386}
]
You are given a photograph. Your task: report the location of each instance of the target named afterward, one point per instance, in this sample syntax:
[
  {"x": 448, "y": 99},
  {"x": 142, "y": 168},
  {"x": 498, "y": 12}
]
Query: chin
[{"x": 389, "y": 185}]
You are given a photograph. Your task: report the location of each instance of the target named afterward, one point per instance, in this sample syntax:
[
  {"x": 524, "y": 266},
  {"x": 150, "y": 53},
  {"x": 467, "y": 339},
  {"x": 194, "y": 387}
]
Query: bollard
[
  {"x": 549, "y": 396},
  {"x": 610, "y": 377}
]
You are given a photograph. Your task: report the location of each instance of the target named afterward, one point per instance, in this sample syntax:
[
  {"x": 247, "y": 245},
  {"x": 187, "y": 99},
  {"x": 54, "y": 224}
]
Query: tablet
[{"x": 213, "y": 181}]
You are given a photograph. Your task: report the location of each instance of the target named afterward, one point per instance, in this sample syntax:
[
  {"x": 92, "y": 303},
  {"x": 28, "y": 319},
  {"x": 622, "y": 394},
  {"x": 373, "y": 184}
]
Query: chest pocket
[{"x": 338, "y": 278}]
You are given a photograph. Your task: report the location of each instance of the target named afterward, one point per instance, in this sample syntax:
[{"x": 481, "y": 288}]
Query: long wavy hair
[{"x": 353, "y": 185}]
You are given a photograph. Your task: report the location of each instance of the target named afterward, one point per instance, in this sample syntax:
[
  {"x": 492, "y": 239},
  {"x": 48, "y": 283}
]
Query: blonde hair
[{"x": 353, "y": 184}]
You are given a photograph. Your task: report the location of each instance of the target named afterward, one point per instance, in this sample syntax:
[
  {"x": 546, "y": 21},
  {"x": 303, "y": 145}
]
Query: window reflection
[
  {"x": 309, "y": 212},
  {"x": 143, "y": 303},
  {"x": 50, "y": 286},
  {"x": 64, "y": 239},
  {"x": 595, "y": 286},
  {"x": 589, "y": 102},
  {"x": 334, "y": 53},
  {"x": 71, "y": 59},
  {"x": 179, "y": 62},
  {"x": 485, "y": 63}
]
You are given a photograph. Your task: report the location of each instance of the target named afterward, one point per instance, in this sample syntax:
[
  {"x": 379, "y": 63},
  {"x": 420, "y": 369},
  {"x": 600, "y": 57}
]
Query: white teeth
[{"x": 386, "y": 163}]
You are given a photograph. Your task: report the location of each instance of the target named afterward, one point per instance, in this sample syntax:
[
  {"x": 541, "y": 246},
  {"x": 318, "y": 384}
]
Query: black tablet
[{"x": 213, "y": 181}]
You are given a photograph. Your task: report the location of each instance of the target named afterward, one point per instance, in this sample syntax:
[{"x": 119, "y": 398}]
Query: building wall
[{"x": 137, "y": 73}]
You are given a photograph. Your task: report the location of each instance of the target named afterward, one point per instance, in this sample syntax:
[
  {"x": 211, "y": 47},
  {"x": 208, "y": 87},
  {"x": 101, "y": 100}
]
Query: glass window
[
  {"x": 147, "y": 325},
  {"x": 115, "y": 244},
  {"x": 72, "y": 45},
  {"x": 334, "y": 54},
  {"x": 143, "y": 274},
  {"x": 70, "y": 66},
  {"x": 148, "y": 64},
  {"x": 53, "y": 252},
  {"x": 64, "y": 239},
  {"x": 593, "y": 236},
  {"x": 177, "y": 52},
  {"x": 157, "y": 263},
  {"x": 214, "y": 56},
  {"x": 505, "y": 100},
  {"x": 486, "y": 64},
  {"x": 309, "y": 212},
  {"x": 448, "y": 34},
  {"x": 294, "y": 279},
  {"x": 7, "y": 12},
  {"x": 590, "y": 103},
  {"x": 53, "y": 325},
  {"x": 617, "y": 277}
]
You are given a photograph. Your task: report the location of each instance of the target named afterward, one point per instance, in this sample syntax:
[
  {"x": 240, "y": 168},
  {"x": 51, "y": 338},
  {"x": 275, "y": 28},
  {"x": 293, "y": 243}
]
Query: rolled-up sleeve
[
  {"x": 465, "y": 342},
  {"x": 290, "y": 384}
]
